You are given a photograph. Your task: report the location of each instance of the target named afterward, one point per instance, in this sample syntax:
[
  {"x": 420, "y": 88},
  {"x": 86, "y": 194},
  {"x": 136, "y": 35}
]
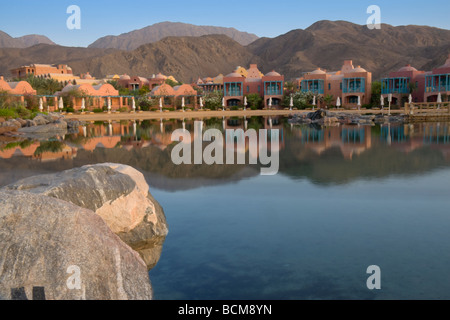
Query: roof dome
[
  {"x": 234, "y": 75},
  {"x": 125, "y": 77},
  {"x": 273, "y": 74},
  {"x": 160, "y": 76},
  {"x": 407, "y": 68},
  {"x": 359, "y": 69},
  {"x": 318, "y": 71}
]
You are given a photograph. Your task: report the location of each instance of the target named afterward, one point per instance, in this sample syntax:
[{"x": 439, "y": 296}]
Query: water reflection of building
[
  {"x": 408, "y": 137},
  {"x": 32, "y": 151},
  {"x": 350, "y": 140}
]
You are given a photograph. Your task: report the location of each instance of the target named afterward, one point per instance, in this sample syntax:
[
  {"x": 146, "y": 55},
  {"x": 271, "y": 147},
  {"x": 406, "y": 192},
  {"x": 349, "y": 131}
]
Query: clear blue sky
[{"x": 264, "y": 18}]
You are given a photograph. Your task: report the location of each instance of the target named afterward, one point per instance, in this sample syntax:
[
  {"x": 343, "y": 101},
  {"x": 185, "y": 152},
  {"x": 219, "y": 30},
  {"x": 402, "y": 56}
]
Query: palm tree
[
  {"x": 328, "y": 99},
  {"x": 289, "y": 86}
]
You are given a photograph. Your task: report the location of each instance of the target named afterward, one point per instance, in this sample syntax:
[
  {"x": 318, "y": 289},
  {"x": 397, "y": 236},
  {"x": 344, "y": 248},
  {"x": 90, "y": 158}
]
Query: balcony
[
  {"x": 314, "y": 86},
  {"x": 273, "y": 88},
  {"x": 233, "y": 89},
  {"x": 354, "y": 85},
  {"x": 395, "y": 85},
  {"x": 437, "y": 83}
]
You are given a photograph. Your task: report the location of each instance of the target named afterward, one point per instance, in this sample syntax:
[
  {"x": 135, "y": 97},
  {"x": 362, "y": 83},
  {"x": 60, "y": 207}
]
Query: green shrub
[{"x": 8, "y": 113}]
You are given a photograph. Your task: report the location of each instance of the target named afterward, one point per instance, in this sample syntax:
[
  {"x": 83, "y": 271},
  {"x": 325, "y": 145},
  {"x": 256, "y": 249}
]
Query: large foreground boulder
[
  {"x": 52, "y": 249},
  {"x": 117, "y": 193}
]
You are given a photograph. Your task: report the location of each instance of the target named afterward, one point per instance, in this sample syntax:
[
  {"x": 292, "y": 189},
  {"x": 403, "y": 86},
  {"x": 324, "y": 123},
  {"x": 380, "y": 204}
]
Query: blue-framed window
[
  {"x": 233, "y": 89},
  {"x": 437, "y": 83},
  {"x": 315, "y": 86},
  {"x": 354, "y": 85},
  {"x": 395, "y": 85},
  {"x": 273, "y": 88}
]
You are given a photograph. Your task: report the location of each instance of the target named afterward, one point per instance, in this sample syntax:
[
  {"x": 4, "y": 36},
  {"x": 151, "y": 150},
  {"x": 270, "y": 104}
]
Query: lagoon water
[{"x": 345, "y": 198}]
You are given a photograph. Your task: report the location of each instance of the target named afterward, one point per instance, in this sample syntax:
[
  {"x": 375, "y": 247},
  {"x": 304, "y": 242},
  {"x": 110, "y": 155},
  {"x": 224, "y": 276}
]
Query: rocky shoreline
[
  {"x": 323, "y": 117},
  {"x": 99, "y": 220},
  {"x": 41, "y": 126}
]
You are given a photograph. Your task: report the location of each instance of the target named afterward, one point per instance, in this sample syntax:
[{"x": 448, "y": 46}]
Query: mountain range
[
  {"x": 324, "y": 44},
  {"x": 134, "y": 39},
  {"x": 6, "y": 41}
]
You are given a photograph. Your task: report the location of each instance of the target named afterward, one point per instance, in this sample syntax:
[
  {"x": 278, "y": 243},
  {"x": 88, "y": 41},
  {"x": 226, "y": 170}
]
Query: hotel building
[
  {"x": 269, "y": 87},
  {"x": 350, "y": 84}
]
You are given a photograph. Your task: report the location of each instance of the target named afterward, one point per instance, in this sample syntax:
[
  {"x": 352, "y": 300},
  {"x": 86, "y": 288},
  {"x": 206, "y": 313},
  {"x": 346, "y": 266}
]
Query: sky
[{"x": 263, "y": 18}]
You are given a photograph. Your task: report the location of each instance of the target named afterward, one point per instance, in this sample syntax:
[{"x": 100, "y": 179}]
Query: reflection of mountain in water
[{"x": 332, "y": 155}]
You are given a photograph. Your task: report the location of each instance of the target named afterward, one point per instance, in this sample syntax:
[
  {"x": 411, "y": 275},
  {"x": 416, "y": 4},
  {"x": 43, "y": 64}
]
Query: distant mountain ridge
[
  {"x": 134, "y": 39},
  {"x": 325, "y": 44},
  {"x": 6, "y": 41}
]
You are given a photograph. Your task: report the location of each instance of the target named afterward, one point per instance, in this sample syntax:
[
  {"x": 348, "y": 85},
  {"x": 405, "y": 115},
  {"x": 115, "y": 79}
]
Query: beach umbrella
[
  {"x": 133, "y": 102},
  {"x": 201, "y": 103},
  {"x": 439, "y": 100},
  {"x": 382, "y": 101},
  {"x": 182, "y": 103},
  {"x": 359, "y": 102},
  {"x": 245, "y": 102},
  {"x": 61, "y": 104},
  {"x": 270, "y": 102},
  {"x": 314, "y": 102},
  {"x": 291, "y": 103},
  {"x": 223, "y": 103},
  {"x": 338, "y": 102},
  {"x": 160, "y": 104},
  {"x": 83, "y": 104},
  {"x": 410, "y": 99},
  {"x": 41, "y": 104},
  {"x": 109, "y": 104}
]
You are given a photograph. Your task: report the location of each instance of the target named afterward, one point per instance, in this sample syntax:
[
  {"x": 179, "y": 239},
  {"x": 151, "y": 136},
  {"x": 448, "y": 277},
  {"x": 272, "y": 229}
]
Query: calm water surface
[{"x": 345, "y": 198}]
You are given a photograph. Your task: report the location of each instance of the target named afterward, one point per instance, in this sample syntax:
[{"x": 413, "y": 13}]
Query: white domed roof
[
  {"x": 318, "y": 71},
  {"x": 407, "y": 68},
  {"x": 359, "y": 69},
  {"x": 273, "y": 73}
]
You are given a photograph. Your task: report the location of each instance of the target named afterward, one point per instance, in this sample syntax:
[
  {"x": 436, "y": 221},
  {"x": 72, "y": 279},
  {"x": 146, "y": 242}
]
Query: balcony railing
[
  {"x": 274, "y": 92},
  {"x": 233, "y": 93},
  {"x": 444, "y": 88}
]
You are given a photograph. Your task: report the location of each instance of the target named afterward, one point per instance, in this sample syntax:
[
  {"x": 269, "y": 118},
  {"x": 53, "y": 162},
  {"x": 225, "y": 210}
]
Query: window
[
  {"x": 259, "y": 89},
  {"x": 340, "y": 86},
  {"x": 329, "y": 86},
  {"x": 248, "y": 89}
]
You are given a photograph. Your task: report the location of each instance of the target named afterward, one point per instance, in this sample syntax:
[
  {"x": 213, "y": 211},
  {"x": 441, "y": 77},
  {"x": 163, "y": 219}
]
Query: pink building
[
  {"x": 438, "y": 81},
  {"x": 269, "y": 87},
  {"x": 398, "y": 84},
  {"x": 351, "y": 84},
  {"x": 428, "y": 84}
]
